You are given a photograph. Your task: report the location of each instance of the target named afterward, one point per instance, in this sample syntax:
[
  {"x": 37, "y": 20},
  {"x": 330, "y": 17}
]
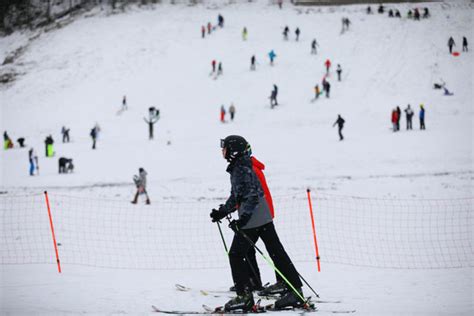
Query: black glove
[
  {"x": 217, "y": 215},
  {"x": 236, "y": 225}
]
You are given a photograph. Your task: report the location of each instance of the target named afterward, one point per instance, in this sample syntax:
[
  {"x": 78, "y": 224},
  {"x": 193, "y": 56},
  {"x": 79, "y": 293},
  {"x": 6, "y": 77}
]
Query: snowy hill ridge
[{"x": 76, "y": 76}]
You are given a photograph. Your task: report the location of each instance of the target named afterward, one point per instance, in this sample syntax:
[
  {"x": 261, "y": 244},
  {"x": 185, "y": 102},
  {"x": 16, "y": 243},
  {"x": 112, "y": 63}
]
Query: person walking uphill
[
  {"x": 451, "y": 43},
  {"x": 340, "y": 124},
  {"x": 254, "y": 222},
  {"x": 140, "y": 183}
]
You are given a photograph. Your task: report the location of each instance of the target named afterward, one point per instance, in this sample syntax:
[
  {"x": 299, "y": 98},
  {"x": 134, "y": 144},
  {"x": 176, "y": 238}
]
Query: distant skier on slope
[
  {"x": 272, "y": 56},
  {"x": 451, "y": 43},
  {"x": 340, "y": 125}
]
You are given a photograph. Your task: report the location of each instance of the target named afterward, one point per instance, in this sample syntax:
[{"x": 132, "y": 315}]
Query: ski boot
[
  {"x": 290, "y": 299},
  {"x": 274, "y": 289},
  {"x": 242, "y": 302}
]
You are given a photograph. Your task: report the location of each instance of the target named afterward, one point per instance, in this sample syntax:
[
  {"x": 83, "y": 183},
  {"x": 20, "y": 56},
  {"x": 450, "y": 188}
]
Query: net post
[
  {"x": 308, "y": 191},
  {"x": 52, "y": 231}
]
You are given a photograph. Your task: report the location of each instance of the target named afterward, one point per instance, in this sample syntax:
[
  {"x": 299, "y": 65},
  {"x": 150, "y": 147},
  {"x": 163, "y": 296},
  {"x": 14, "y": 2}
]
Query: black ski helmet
[{"x": 235, "y": 146}]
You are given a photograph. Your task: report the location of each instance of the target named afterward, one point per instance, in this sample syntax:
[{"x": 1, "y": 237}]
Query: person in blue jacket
[
  {"x": 272, "y": 56},
  {"x": 422, "y": 117}
]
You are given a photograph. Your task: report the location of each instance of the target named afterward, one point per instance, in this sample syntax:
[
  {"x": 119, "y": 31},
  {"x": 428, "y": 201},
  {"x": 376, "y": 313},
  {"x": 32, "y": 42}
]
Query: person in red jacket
[
  {"x": 394, "y": 119},
  {"x": 254, "y": 271},
  {"x": 328, "y": 65}
]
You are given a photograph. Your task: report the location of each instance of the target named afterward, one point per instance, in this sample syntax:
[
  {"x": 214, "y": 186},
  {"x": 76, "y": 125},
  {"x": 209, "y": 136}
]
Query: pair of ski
[{"x": 228, "y": 294}]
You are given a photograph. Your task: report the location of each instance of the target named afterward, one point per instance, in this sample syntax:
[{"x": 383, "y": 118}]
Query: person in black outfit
[
  {"x": 397, "y": 14},
  {"x": 399, "y": 112},
  {"x": 426, "y": 13},
  {"x": 369, "y": 10},
  {"x": 255, "y": 221},
  {"x": 326, "y": 87},
  {"x": 390, "y": 13},
  {"x": 285, "y": 32},
  {"x": 451, "y": 43},
  {"x": 340, "y": 124},
  {"x": 65, "y": 132},
  {"x": 252, "y": 63},
  {"x": 93, "y": 134},
  {"x": 381, "y": 9},
  {"x": 297, "y": 32},
  {"x": 464, "y": 44},
  {"x": 65, "y": 165},
  {"x": 21, "y": 141}
]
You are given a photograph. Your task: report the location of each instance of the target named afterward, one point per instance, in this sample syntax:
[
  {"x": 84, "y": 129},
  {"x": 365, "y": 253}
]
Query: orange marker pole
[
  {"x": 52, "y": 231},
  {"x": 314, "y": 229}
]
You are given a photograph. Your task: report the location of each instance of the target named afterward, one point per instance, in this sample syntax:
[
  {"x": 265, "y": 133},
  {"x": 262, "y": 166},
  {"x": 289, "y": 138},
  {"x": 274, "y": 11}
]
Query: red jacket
[
  {"x": 258, "y": 168},
  {"x": 394, "y": 116}
]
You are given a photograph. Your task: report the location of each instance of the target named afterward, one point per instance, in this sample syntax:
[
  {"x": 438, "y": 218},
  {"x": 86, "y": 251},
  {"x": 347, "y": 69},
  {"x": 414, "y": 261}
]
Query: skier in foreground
[{"x": 255, "y": 221}]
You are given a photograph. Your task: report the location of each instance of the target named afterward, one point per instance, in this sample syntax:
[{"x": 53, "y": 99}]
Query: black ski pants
[
  {"x": 240, "y": 247},
  {"x": 341, "y": 137}
]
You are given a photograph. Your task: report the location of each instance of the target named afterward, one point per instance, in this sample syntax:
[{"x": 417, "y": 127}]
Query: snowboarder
[
  {"x": 140, "y": 183},
  {"x": 409, "y": 116},
  {"x": 394, "y": 119},
  {"x": 213, "y": 64},
  {"x": 203, "y": 31},
  {"x": 252, "y": 63},
  {"x": 314, "y": 44},
  {"x": 272, "y": 56},
  {"x": 340, "y": 125},
  {"x": 31, "y": 158},
  {"x": 153, "y": 117},
  {"x": 254, "y": 222},
  {"x": 339, "y": 70},
  {"x": 222, "y": 114},
  {"x": 49, "y": 141},
  {"x": 328, "y": 66},
  {"x": 297, "y": 33},
  {"x": 286, "y": 30},
  {"x": 451, "y": 43},
  {"x": 65, "y": 133},
  {"x": 65, "y": 165},
  {"x": 232, "y": 111},
  {"x": 464, "y": 44},
  {"x": 244, "y": 34},
  {"x": 422, "y": 117},
  {"x": 220, "y": 21}
]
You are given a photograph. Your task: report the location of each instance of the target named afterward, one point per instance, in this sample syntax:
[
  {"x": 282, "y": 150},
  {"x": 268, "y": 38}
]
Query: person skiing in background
[
  {"x": 280, "y": 4},
  {"x": 220, "y": 21},
  {"x": 232, "y": 111},
  {"x": 397, "y": 14},
  {"x": 153, "y": 117},
  {"x": 464, "y": 44},
  {"x": 451, "y": 43},
  {"x": 326, "y": 87},
  {"x": 213, "y": 64},
  {"x": 272, "y": 56},
  {"x": 65, "y": 133},
  {"x": 222, "y": 114},
  {"x": 426, "y": 13},
  {"x": 254, "y": 222},
  {"x": 340, "y": 125},
  {"x": 124, "y": 103},
  {"x": 93, "y": 135},
  {"x": 422, "y": 117},
  {"x": 339, "y": 70},
  {"x": 409, "y": 116},
  {"x": 140, "y": 183},
  {"x": 399, "y": 116},
  {"x": 65, "y": 165},
  {"x": 31, "y": 156},
  {"x": 328, "y": 66},
  {"x": 297, "y": 33},
  {"x": 219, "y": 69},
  {"x": 252, "y": 63},
  {"x": 49, "y": 141},
  {"x": 286, "y": 30},
  {"x": 21, "y": 142},
  {"x": 381, "y": 9},
  {"x": 275, "y": 90},
  {"x": 314, "y": 44},
  {"x": 244, "y": 34},
  {"x": 317, "y": 92},
  {"x": 369, "y": 10},
  {"x": 7, "y": 142},
  {"x": 209, "y": 28},
  {"x": 394, "y": 119},
  {"x": 203, "y": 31},
  {"x": 416, "y": 14},
  {"x": 390, "y": 13}
]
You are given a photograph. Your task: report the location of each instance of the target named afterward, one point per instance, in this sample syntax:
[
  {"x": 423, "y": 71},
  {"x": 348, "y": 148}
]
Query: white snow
[{"x": 77, "y": 75}]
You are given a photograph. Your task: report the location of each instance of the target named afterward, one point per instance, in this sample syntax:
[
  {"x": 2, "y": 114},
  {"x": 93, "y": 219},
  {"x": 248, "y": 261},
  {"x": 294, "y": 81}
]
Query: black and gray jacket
[{"x": 247, "y": 194}]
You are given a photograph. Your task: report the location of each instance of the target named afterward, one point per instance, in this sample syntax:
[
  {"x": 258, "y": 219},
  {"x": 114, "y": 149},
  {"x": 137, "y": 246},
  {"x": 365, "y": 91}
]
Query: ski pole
[
  {"x": 222, "y": 237},
  {"x": 272, "y": 265}
]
